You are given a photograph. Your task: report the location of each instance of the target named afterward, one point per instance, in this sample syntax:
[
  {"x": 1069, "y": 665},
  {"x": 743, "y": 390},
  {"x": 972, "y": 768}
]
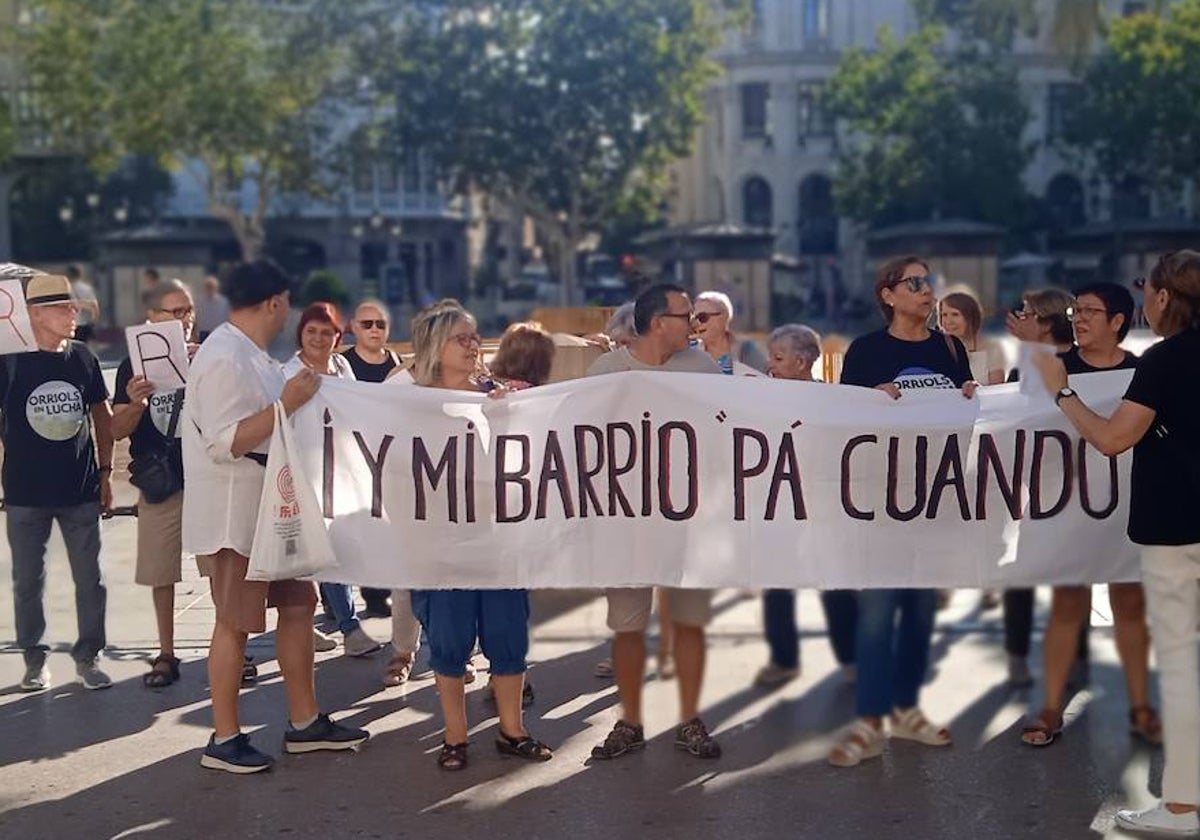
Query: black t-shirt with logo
[
  {"x": 49, "y": 455},
  {"x": 150, "y": 435},
  {"x": 879, "y": 357},
  {"x": 365, "y": 371},
  {"x": 1165, "y": 480}
]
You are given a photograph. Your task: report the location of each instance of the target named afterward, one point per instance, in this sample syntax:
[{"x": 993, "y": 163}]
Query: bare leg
[
  {"x": 1068, "y": 610},
  {"x": 689, "y": 664},
  {"x": 666, "y": 627},
  {"x": 294, "y": 649},
  {"x": 453, "y": 694},
  {"x": 164, "y": 617},
  {"x": 507, "y": 690},
  {"x": 1133, "y": 639},
  {"x": 225, "y": 662},
  {"x": 629, "y": 668}
]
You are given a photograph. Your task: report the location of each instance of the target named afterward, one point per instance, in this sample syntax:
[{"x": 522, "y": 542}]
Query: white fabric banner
[{"x": 706, "y": 481}]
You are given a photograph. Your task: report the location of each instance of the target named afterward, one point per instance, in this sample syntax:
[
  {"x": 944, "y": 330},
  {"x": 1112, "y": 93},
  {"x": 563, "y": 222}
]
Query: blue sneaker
[
  {"x": 323, "y": 734},
  {"x": 236, "y": 756}
]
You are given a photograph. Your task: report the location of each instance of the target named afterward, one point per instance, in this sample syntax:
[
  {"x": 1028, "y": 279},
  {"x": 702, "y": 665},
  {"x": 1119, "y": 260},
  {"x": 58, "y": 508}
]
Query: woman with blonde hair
[{"x": 446, "y": 348}]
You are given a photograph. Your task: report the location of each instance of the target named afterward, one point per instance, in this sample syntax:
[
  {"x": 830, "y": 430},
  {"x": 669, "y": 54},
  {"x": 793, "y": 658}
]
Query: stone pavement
[{"x": 124, "y": 762}]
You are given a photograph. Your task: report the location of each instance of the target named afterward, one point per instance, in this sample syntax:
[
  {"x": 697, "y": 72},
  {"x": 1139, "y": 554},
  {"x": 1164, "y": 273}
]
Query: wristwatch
[{"x": 1064, "y": 393}]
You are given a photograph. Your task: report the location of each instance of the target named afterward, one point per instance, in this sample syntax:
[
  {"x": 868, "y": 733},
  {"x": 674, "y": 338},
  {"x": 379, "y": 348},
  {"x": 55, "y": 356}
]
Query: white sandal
[
  {"x": 912, "y": 725},
  {"x": 859, "y": 741}
]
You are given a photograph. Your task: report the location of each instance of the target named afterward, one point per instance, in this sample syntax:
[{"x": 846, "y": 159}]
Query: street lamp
[
  {"x": 377, "y": 220},
  {"x": 121, "y": 213},
  {"x": 357, "y": 230},
  {"x": 93, "y": 200},
  {"x": 396, "y": 231},
  {"x": 67, "y": 212}
]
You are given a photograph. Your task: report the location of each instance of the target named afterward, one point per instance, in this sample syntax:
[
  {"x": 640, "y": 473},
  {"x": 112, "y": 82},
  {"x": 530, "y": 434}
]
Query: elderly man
[
  {"x": 229, "y": 417},
  {"x": 662, "y": 319},
  {"x": 54, "y": 471}
]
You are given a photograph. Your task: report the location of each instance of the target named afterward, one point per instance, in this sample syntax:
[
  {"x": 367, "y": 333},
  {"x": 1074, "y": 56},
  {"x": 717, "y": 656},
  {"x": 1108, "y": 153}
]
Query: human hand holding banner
[{"x": 159, "y": 353}]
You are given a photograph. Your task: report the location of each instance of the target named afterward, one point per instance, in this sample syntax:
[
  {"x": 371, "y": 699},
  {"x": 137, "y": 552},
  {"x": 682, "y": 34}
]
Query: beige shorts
[
  {"x": 159, "y": 542},
  {"x": 629, "y": 609},
  {"x": 242, "y": 603}
]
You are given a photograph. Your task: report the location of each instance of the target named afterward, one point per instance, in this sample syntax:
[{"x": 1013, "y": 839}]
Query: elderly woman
[
  {"x": 792, "y": 350},
  {"x": 151, "y": 422},
  {"x": 524, "y": 357},
  {"x": 446, "y": 349},
  {"x": 895, "y": 626},
  {"x": 713, "y": 314},
  {"x": 1159, "y": 418},
  {"x": 961, "y": 315},
  {"x": 318, "y": 334}
]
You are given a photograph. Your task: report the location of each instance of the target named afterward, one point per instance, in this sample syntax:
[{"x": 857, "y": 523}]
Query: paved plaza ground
[{"x": 124, "y": 762}]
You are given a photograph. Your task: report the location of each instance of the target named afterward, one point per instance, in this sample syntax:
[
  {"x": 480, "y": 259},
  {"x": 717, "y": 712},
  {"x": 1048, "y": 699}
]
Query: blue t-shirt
[{"x": 879, "y": 357}]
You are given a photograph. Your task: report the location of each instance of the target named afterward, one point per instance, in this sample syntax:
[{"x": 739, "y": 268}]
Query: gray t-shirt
[{"x": 689, "y": 360}]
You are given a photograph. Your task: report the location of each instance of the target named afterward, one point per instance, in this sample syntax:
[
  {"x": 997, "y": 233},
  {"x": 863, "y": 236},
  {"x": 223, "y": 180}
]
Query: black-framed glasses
[
  {"x": 914, "y": 284},
  {"x": 369, "y": 323},
  {"x": 179, "y": 312},
  {"x": 705, "y": 317}
]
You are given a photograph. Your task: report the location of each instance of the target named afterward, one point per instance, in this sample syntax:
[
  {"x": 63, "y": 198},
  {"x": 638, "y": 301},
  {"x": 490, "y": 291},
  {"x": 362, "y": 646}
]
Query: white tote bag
[{"x": 290, "y": 540}]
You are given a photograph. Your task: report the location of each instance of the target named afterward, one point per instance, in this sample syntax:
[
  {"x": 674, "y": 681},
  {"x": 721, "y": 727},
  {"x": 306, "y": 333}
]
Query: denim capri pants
[{"x": 454, "y": 618}]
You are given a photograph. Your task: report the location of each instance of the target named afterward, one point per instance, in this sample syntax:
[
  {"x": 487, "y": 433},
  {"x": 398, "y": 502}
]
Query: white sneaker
[
  {"x": 358, "y": 643},
  {"x": 1159, "y": 820},
  {"x": 37, "y": 678},
  {"x": 772, "y": 675},
  {"x": 91, "y": 677},
  {"x": 321, "y": 642}
]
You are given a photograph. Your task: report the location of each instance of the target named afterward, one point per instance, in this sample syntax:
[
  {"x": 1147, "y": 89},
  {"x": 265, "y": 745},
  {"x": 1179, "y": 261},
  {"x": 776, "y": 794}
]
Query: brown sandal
[
  {"x": 1044, "y": 729},
  {"x": 452, "y": 757},
  {"x": 1145, "y": 724}
]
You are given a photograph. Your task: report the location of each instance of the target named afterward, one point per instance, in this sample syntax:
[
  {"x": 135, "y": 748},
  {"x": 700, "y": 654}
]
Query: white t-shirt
[
  {"x": 231, "y": 379},
  {"x": 989, "y": 357},
  {"x": 341, "y": 368},
  {"x": 688, "y": 360}
]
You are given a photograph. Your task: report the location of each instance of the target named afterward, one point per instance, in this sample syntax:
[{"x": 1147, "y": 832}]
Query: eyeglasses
[
  {"x": 371, "y": 323},
  {"x": 466, "y": 340},
  {"x": 1075, "y": 312},
  {"x": 915, "y": 284},
  {"x": 705, "y": 317},
  {"x": 179, "y": 312}
]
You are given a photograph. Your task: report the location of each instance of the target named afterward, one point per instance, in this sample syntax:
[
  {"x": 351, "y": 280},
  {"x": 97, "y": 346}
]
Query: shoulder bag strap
[{"x": 176, "y": 410}]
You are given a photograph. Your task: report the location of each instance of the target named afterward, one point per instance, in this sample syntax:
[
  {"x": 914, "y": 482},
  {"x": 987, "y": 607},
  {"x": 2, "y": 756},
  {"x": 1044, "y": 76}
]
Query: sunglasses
[
  {"x": 467, "y": 340},
  {"x": 179, "y": 312},
  {"x": 371, "y": 323},
  {"x": 705, "y": 317},
  {"x": 915, "y": 284}
]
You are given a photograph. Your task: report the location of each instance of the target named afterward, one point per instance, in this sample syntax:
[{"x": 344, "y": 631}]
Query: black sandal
[
  {"x": 525, "y": 746},
  {"x": 249, "y": 672},
  {"x": 157, "y": 678},
  {"x": 452, "y": 757}
]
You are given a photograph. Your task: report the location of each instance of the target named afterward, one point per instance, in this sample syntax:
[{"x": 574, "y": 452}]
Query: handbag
[
  {"x": 159, "y": 472},
  {"x": 290, "y": 538}
]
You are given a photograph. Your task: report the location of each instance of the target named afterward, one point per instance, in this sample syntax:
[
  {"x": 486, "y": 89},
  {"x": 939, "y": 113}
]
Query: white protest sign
[
  {"x": 16, "y": 333},
  {"x": 707, "y": 481},
  {"x": 159, "y": 352}
]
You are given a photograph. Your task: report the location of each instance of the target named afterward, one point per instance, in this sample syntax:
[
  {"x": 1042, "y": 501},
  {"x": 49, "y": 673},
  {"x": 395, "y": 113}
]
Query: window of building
[
  {"x": 1060, "y": 97},
  {"x": 1064, "y": 201},
  {"x": 812, "y": 120},
  {"x": 816, "y": 20},
  {"x": 755, "y": 99},
  {"x": 818, "y": 226},
  {"x": 756, "y": 203}
]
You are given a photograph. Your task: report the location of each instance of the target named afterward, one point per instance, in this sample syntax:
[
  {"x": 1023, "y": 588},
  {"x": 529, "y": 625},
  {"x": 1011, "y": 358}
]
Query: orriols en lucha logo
[
  {"x": 55, "y": 410},
  {"x": 919, "y": 377}
]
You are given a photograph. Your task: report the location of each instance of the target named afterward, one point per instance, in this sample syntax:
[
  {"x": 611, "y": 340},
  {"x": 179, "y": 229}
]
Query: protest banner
[
  {"x": 16, "y": 333},
  {"x": 159, "y": 352},
  {"x": 699, "y": 481}
]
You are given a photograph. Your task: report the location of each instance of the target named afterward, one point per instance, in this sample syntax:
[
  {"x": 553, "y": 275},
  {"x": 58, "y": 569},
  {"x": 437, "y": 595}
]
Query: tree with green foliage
[
  {"x": 1136, "y": 111},
  {"x": 8, "y": 133},
  {"x": 234, "y": 92},
  {"x": 324, "y": 286},
  {"x": 567, "y": 111},
  {"x": 928, "y": 134}
]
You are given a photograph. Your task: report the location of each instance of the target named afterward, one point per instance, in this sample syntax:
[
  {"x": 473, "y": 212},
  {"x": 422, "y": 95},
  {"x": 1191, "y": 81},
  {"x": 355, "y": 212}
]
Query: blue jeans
[
  {"x": 341, "y": 603},
  {"x": 454, "y": 618},
  {"x": 841, "y": 617},
  {"x": 779, "y": 623},
  {"x": 892, "y": 656}
]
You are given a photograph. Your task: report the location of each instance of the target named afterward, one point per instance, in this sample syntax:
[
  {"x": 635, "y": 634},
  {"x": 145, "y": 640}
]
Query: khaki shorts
[
  {"x": 159, "y": 542},
  {"x": 629, "y": 609},
  {"x": 242, "y": 604}
]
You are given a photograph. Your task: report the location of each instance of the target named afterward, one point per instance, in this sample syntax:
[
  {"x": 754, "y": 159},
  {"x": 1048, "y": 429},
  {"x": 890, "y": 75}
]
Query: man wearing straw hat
[{"x": 55, "y": 471}]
